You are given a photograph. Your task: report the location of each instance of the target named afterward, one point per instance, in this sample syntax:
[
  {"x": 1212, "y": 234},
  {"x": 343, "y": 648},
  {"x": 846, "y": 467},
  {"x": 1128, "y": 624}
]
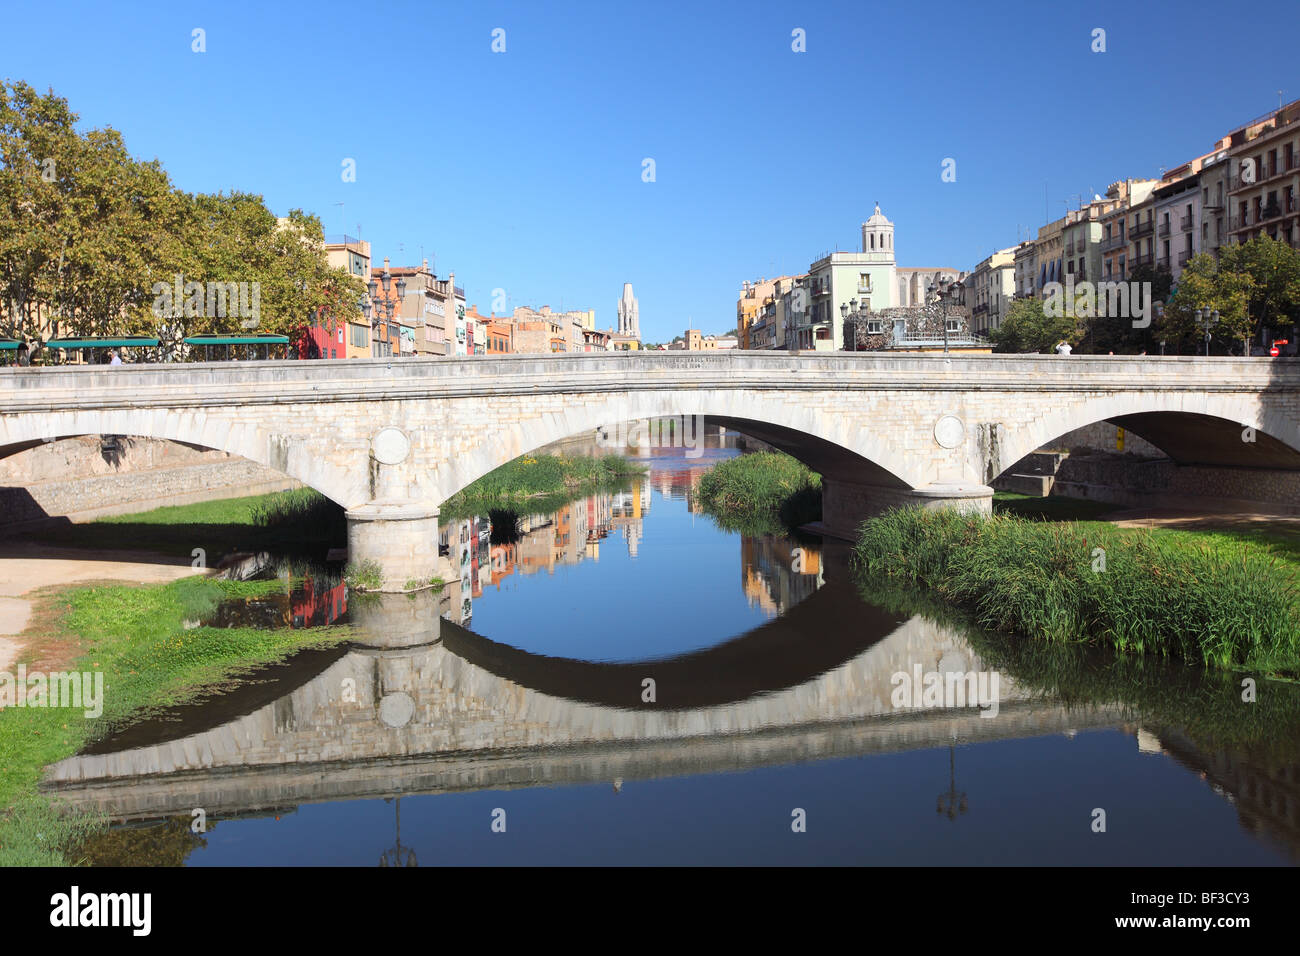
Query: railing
[
  {"x": 1185, "y": 224},
  {"x": 1141, "y": 260},
  {"x": 1214, "y": 203},
  {"x": 1114, "y": 242},
  {"x": 1164, "y": 229},
  {"x": 1143, "y": 228},
  {"x": 1183, "y": 258},
  {"x": 1163, "y": 262}
]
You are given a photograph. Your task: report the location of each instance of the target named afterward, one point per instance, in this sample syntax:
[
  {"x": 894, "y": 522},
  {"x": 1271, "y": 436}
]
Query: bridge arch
[
  {"x": 836, "y": 446},
  {"x": 291, "y": 457},
  {"x": 1192, "y": 429}
]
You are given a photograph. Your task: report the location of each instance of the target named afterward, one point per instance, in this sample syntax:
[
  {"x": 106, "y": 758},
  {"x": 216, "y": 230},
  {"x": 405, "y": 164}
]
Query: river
[{"x": 628, "y": 683}]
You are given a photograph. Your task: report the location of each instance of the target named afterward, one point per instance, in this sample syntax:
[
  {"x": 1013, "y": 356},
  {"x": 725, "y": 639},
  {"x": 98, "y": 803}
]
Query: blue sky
[{"x": 523, "y": 170}]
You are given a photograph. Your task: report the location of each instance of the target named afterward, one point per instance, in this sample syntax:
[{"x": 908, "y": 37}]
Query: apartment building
[
  {"x": 353, "y": 255},
  {"x": 991, "y": 288},
  {"x": 1177, "y": 202},
  {"x": 1264, "y": 178}
]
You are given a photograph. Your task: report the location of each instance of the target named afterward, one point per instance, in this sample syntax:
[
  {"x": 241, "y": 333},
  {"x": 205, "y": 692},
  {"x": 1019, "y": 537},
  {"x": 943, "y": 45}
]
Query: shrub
[{"x": 1223, "y": 603}]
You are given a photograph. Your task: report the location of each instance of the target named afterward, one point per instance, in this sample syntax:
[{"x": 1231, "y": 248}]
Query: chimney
[{"x": 424, "y": 264}]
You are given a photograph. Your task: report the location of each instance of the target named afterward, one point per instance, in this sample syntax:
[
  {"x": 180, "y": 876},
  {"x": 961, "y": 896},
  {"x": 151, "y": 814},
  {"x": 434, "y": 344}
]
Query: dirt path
[
  {"x": 1196, "y": 521},
  {"x": 28, "y": 565}
]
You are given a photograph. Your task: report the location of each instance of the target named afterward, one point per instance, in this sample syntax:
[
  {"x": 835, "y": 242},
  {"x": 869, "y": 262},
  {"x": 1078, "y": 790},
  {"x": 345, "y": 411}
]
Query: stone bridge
[
  {"x": 390, "y": 439},
  {"x": 467, "y": 713}
]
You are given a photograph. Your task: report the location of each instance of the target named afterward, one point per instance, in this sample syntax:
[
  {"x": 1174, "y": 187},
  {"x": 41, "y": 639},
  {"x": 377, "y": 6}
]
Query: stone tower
[
  {"x": 878, "y": 237},
  {"x": 629, "y": 319}
]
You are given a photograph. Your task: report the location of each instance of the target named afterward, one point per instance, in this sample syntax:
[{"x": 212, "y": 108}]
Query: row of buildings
[
  {"x": 816, "y": 310},
  {"x": 410, "y": 311},
  {"x": 1247, "y": 185}
]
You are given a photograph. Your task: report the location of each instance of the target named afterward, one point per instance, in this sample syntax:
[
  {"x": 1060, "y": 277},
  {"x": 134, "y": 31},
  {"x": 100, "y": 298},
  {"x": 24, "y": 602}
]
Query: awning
[
  {"x": 123, "y": 343},
  {"x": 9, "y": 343},
  {"x": 237, "y": 340}
]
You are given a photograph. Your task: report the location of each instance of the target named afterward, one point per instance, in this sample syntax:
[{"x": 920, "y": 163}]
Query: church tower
[
  {"x": 878, "y": 238},
  {"x": 629, "y": 319}
]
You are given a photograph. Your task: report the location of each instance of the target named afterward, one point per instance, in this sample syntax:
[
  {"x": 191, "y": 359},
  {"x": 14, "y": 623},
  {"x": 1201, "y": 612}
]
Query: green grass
[
  {"x": 364, "y": 575},
  {"x": 762, "y": 493},
  {"x": 136, "y": 637},
  {"x": 539, "y": 481},
  {"x": 1218, "y": 601},
  {"x": 300, "y": 521}
]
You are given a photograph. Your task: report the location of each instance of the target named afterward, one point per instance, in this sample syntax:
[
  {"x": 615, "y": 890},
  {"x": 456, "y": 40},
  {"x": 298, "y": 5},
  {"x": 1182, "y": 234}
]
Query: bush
[
  {"x": 535, "y": 476},
  {"x": 1222, "y": 603},
  {"x": 761, "y": 493}
]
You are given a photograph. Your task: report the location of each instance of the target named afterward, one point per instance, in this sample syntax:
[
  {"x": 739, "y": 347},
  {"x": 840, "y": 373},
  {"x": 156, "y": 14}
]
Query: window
[
  {"x": 864, "y": 282},
  {"x": 873, "y": 326},
  {"x": 360, "y": 336},
  {"x": 954, "y": 325},
  {"x": 340, "y": 335}
]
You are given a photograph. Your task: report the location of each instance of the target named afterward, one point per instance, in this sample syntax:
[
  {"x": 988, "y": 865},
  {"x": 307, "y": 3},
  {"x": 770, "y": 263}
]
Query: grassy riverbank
[
  {"x": 301, "y": 521},
  {"x": 137, "y": 638},
  {"x": 1195, "y": 597},
  {"x": 535, "y": 480},
  {"x": 763, "y": 493}
]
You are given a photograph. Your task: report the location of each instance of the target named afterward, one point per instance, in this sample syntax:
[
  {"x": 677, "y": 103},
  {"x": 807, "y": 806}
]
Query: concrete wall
[
  {"x": 82, "y": 478},
  {"x": 1135, "y": 483}
]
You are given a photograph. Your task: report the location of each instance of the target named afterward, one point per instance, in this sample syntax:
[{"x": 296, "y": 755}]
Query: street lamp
[
  {"x": 942, "y": 297},
  {"x": 952, "y": 803},
  {"x": 1207, "y": 320}
]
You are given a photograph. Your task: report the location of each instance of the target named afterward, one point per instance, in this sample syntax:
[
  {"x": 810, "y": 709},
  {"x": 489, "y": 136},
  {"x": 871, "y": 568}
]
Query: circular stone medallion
[
  {"x": 949, "y": 431},
  {"x": 391, "y": 446},
  {"x": 397, "y": 709}
]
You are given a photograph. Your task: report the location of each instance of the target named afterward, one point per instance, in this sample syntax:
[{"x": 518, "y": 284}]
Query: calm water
[{"x": 627, "y": 683}]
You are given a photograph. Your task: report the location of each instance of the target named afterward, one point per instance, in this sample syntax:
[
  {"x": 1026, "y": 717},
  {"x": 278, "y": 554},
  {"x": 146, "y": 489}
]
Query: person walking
[{"x": 116, "y": 359}]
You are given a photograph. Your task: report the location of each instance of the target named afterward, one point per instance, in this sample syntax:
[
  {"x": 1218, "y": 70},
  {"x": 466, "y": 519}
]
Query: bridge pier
[
  {"x": 846, "y": 504},
  {"x": 402, "y": 538},
  {"x": 394, "y": 622}
]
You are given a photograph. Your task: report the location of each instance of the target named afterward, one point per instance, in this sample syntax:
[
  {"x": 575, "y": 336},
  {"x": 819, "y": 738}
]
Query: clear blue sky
[{"x": 522, "y": 170}]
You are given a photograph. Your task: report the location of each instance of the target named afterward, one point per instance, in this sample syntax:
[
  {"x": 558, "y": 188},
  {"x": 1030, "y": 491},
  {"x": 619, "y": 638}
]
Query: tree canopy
[
  {"x": 96, "y": 242},
  {"x": 1028, "y": 328}
]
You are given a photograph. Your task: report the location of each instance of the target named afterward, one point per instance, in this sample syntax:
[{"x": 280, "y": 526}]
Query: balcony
[
  {"x": 1183, "y": 258},
  {"x": 1143, "y": 228},
  {"x": 1214, "y": 202},
  {"x": 1164, "y": 229},
  {"x": 1115, "y": 242},
  {"x": 1141, "y": 260},
  {"x": 1185, "y": 224},
  {"x": 1069, "y": 248},
  {"x": 1163, "y": 263}
]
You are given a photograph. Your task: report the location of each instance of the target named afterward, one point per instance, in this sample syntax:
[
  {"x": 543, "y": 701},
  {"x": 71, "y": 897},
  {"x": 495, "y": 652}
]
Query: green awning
[
  {"x": 237, "y": 340},
  {"x": 124, "y": 343},
  {"x": 9, "y": 343}
]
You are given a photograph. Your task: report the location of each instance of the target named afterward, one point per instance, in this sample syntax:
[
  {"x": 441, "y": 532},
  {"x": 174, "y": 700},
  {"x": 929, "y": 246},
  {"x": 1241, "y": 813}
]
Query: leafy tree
[
  {"x": 1028, "y": 328},
  {"x": 1273, "y": 268},
  {"x": 1207, "y": 284},
  {"x": 90, "y": 237}
]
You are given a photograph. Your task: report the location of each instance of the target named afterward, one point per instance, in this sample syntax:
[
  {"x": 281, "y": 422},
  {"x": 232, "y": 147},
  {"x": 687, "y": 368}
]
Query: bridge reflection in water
[{"x": 460, "y": 712}]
